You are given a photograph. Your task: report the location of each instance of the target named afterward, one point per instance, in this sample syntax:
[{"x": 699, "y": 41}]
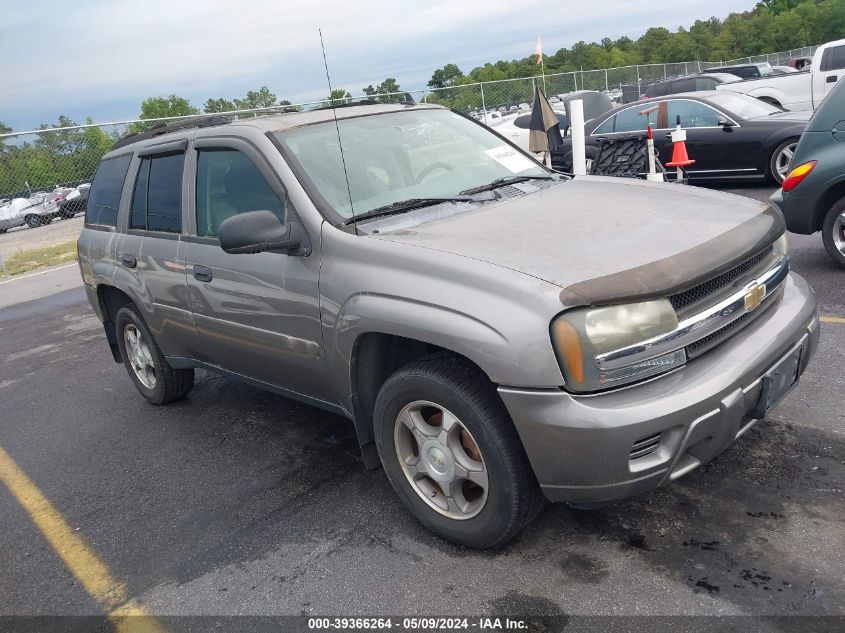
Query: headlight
[{"x": 580, "y": 337}]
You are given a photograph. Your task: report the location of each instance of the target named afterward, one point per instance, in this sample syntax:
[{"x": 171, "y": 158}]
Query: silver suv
[{"x": 497, "y": 333}]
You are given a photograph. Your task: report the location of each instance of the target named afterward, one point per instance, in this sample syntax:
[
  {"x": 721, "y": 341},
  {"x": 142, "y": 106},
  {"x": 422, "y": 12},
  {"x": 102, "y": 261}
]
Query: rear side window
[
  {"x": 630, "y": 120},
  {"x": 833, "y": 58},
  {"x": 104, "y": 197},
  {"x": 705, "y": 83},
  {"x": 683, "y": 85},
  {"x": 157, "y": 198}
]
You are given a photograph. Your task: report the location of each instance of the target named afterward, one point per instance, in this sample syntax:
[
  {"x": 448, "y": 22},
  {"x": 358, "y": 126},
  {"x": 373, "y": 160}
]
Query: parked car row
[{"x": 43, "y": 207}]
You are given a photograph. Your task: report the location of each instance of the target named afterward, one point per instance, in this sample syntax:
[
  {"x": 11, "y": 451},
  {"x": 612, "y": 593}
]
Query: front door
[
  {"x": 257, "y": 314},
  {"x": 831, "y": 69},
  {"x": 718, "y": 151}
]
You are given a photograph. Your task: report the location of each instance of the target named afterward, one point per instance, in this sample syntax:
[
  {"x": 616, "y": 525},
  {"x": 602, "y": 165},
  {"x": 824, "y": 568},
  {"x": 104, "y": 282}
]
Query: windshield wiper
[
  {"x": 501, "y": 182},
  {"x": 407, "y": 205}
]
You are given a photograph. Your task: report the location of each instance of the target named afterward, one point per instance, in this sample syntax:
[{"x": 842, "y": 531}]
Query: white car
[
  {"x": 34, "y": 211},
  {"x": 802, "y": 90}
]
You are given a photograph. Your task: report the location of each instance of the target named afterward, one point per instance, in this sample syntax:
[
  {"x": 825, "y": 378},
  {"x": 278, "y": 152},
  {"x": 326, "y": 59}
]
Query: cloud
[{"x": 113, "y": 52}]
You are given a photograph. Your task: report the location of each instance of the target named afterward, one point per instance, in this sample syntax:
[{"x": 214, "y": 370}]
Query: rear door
[
  {"x": 151, "y": 254},
  {"x": 258, "y": 314}
]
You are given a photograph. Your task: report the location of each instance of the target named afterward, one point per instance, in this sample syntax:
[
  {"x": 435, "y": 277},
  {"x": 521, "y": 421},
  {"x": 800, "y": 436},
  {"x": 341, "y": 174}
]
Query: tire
[
  {"x": 167, "y": 384},
  {"x": 33, "y": 221},
  {"x": 784, "y": 151},
  {"x": 833, "y": 232},
  {"x": 481, "y": 427},
  {"x": 2, "y": 231}
]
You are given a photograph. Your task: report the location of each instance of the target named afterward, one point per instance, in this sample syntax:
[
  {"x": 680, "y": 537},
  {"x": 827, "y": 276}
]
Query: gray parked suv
[{"x": 497, "y": 333}]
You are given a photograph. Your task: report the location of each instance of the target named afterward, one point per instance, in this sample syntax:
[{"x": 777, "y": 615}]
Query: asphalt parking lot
[{"x": 238, "y": 501}]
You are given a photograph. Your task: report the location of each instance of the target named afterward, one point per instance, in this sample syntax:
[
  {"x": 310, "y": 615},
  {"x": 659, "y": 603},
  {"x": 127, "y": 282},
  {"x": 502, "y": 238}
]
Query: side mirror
[
  {"x": 258, "y": 231},
  {"x": 723, "y": 121}
]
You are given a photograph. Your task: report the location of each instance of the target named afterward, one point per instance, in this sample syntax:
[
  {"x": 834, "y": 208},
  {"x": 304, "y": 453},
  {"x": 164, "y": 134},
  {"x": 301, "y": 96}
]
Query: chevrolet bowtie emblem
[{"x": 755, "y": 296}]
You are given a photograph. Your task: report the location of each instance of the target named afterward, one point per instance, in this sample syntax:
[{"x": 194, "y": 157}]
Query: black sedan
[{"x": 729, "y": 135}]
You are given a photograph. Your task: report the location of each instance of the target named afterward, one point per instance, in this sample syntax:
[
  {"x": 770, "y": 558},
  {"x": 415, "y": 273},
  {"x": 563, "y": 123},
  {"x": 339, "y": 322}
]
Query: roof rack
[
  {"x": 167, "y": 128},
  {"x": 407, "y": 100}
]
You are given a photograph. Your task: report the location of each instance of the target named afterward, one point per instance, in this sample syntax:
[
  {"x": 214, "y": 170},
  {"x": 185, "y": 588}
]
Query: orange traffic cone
[{"x": 680, "y": 158}]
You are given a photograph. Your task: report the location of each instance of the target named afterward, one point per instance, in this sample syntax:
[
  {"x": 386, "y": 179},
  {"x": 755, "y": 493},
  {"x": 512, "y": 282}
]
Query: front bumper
[{"x": 580, "y": 446}]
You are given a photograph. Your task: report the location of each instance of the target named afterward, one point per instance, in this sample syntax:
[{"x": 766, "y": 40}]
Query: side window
[
  {"x": 683, "y": 85},
  {"x": 705, "y": 83},
  {"x": 104, "y": 197},
  {"x": 138, "y": 216},
  {"x": 630, "y": 121},
  {"x": 157, "y": 198},
  {"x": 692, "y": 113},
  {"x": 606, "y": 127},
  {"x": 833, "y": 58},
  {"x": 228, "y": 183}
]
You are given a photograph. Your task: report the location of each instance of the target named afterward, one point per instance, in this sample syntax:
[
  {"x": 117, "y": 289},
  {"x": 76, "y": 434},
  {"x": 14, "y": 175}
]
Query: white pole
[{"x": 576, "y": 120}]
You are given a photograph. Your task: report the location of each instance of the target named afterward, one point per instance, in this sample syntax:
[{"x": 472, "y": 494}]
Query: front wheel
[
  {"x": 781, "y": 159},
  {"x": 833, "y": 232},
  {"x": 153, "y": 376},
  {"x": 452, "y": 454}
]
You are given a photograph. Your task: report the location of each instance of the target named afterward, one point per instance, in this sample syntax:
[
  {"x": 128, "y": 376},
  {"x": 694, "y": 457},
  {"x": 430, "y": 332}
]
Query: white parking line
[{"x": 43, "y": 272}]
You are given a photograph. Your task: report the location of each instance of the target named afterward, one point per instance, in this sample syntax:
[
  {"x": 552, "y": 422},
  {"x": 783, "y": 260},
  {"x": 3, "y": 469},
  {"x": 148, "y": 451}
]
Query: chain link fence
[{"x": 42, "y": 172}]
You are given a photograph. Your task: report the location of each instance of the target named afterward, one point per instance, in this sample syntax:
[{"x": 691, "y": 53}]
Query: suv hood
[{"x": 602, "y": 239}]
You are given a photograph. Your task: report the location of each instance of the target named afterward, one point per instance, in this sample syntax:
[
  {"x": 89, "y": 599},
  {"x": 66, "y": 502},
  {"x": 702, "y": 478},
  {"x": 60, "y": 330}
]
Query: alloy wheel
[
  {"x": 441, "y": 460},
  {"x": 783, "y": 159},
  {"x": 140, "y": 358},
  {"x": 839, "y": 233}
]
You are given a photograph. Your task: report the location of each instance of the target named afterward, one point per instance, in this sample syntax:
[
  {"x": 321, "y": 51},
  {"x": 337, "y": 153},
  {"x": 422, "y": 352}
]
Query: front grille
[
  {"x": 704, "y": 290},
  {"x": 711, "y": 340},
  {"x": 645, "y": 446}
]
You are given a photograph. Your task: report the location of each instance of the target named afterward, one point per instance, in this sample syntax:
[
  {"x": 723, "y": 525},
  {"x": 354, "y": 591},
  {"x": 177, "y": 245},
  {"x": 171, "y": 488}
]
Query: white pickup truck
[{"x": 798, "y": 91}]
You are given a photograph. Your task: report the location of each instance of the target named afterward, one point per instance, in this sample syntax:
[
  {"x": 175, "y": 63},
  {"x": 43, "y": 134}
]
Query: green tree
[
  {"x": 446, "y": 76},
  {"x": 218, "y": 105},
  {"x": 338, "y": 96},
  {"x": 161, "y": 107},
  {"x": 261, "y": 98}
]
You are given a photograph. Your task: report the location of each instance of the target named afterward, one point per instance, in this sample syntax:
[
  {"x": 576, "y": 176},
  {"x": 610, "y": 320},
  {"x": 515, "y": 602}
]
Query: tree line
[{"x": 773, "y": 25}]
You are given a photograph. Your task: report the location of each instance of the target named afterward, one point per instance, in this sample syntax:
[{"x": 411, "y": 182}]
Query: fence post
[
  {"x": 606, "y": 85},
  {"x": 638, "y": 81},
  {"x": 483, "y": 105}
]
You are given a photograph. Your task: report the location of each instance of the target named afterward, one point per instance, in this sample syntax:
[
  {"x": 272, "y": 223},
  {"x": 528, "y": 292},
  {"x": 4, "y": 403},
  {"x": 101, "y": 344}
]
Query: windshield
[
  {"x": 394, "y": 157},
  {"x": 743, "y": 106}
]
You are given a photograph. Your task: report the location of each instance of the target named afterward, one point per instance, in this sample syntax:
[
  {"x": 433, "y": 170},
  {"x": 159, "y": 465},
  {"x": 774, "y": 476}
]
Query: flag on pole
[
  {"x": 539, "y": 50},
  {"x": 544, "y": 130}
]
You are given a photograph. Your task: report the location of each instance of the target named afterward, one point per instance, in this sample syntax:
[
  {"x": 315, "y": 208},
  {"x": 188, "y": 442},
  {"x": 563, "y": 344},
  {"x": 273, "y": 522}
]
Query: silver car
[{"x": 498, "y": 334}]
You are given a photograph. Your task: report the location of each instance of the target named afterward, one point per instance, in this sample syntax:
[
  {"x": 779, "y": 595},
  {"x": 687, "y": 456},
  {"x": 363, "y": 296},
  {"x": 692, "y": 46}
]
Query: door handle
[
  {"x": 832, "y": 79},
  {"x": 128, "y": 260},
  {"x": 202, "y": 273}
]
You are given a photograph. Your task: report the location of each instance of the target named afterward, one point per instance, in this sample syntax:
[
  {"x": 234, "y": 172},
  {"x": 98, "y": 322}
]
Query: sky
[{"x": 101, "y": 58}]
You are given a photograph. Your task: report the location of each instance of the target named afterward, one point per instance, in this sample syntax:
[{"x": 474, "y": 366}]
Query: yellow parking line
[
  {"x": 83, "y": 562},
  {"x": 830, "y": 319}
]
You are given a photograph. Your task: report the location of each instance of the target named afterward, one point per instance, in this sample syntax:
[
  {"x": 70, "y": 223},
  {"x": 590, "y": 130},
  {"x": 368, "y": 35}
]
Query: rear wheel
[
  {"x": 833, "y": 232},
  {"x": 154, "y": 378},
  {"x": 781, "y": 159},
  {"x": 452, "y": 454},
  {"x": 33, "y": 221}
]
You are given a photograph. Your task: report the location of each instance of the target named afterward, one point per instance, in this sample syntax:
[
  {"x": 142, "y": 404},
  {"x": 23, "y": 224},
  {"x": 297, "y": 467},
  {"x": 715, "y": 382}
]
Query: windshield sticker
[{"x": 510, "y": 159}]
